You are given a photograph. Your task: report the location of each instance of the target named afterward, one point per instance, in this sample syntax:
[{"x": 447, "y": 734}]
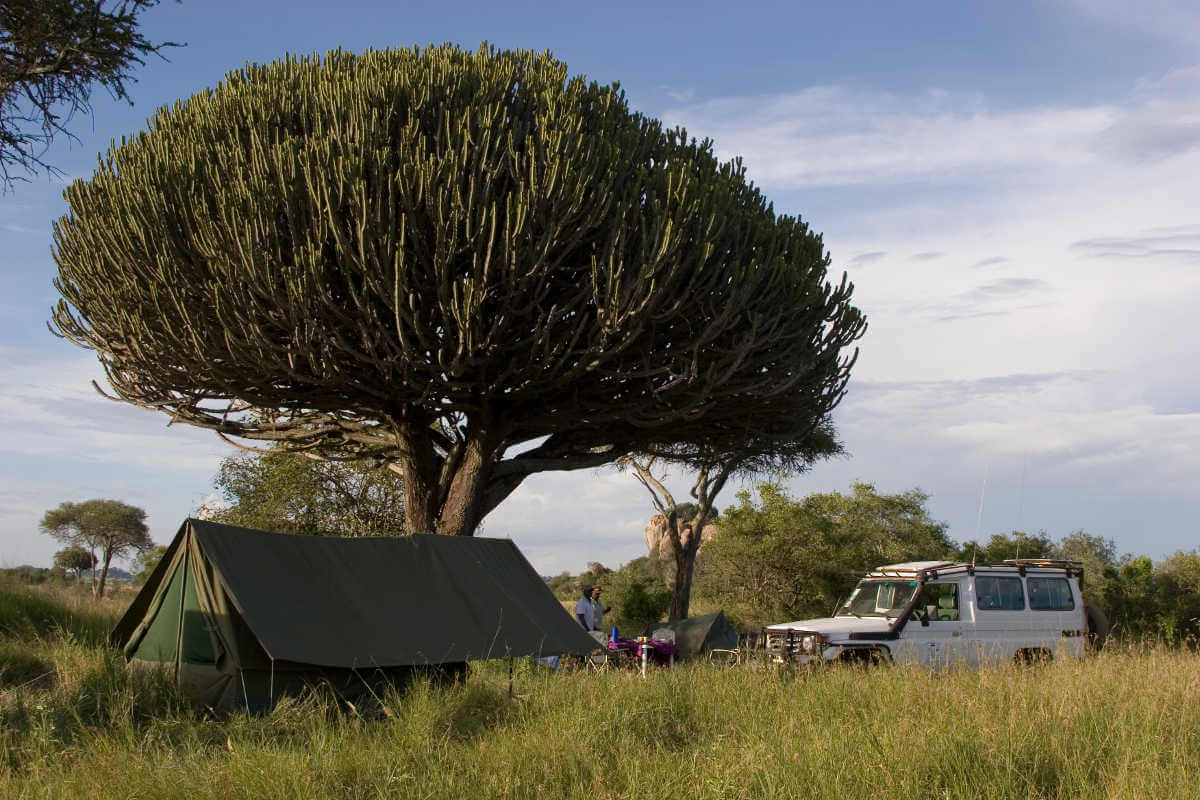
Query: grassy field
[{"x": 74, "y": 723}]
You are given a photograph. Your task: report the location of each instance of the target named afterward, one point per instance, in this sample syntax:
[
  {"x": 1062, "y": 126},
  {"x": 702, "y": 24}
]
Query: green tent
[
  {"x": 696, "y": 635},
  {"x": 244, "y": 616}
]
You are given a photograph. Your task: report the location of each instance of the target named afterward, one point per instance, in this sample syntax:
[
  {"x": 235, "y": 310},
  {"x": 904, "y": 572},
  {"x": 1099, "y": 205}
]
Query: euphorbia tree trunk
[{"x": 452, "y": 481}]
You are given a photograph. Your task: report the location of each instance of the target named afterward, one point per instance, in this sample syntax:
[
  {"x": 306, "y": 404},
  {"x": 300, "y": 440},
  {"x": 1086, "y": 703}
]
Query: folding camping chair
[
  {"x": 598, "y": 662},
  {"x": 725, "y": 658},
  {"x": 747, "y": 646}
]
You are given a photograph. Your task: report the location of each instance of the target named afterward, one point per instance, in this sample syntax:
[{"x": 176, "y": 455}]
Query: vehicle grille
[{"x": 788, "y": 644}]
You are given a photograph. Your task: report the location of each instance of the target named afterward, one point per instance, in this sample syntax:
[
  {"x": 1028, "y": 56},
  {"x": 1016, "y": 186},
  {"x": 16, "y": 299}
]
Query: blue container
[{"x": 612, "y": 637}]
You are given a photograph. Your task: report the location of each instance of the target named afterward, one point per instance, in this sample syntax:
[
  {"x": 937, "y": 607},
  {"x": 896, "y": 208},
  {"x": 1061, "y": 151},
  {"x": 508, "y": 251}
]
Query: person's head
[
  {"x": 595, "y": 592},
  {"x": 586, "y": 589}
]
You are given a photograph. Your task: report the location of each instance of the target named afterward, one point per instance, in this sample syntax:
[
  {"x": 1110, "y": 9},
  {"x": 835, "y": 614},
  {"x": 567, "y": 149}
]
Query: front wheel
[{"x": 862, "y": 657}]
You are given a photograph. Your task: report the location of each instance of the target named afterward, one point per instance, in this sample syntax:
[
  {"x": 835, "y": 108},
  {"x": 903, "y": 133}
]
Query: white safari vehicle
[{"x": 939, "y": 613}]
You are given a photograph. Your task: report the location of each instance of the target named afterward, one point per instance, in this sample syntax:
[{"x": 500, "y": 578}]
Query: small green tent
[
  {"x": 244, "y": 616},
  {"x": 696, "y": 635}
]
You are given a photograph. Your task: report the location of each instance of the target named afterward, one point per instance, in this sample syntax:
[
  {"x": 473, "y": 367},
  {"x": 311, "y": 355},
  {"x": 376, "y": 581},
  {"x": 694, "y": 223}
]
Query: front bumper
[{"x": 795, "y": 645}]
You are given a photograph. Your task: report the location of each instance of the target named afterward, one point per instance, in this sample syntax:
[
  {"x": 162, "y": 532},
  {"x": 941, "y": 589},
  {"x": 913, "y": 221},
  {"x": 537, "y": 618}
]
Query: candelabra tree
[{"x": 469, "y": 265}]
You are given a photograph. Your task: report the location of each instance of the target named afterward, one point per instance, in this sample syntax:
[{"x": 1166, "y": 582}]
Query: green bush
[{"x": 637, "y": 596}]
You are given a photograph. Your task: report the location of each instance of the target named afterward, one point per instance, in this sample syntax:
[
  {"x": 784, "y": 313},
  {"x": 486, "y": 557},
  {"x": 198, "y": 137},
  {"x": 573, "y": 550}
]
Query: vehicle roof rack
[{"x": 1058, "y": 563}]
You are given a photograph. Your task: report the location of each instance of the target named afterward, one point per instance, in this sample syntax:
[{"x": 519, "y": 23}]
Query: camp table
[{"x": 661, "y": 652}]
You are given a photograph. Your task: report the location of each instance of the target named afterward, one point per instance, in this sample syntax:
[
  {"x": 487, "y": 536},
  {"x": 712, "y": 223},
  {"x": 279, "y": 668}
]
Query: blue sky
[{"x": 1011, "y": 186}]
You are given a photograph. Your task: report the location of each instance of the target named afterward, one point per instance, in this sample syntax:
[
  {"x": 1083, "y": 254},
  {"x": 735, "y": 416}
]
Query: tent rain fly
[{"x": 243, "y": 616}]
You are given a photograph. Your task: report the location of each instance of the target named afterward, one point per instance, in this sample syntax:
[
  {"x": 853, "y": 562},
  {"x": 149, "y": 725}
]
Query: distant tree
[
  {"x": 289, "y": 493},
  {"x": 108, "y": 526},
  {"x": 637, "y": 595},
  {"x": 1001, "y": 546},
  {"x": 1134, "y": 598},
  {"x": 713, "y": 467},
  {"x": 27, "y": 573},
  {"x": 784, "y": 559},
  {"x": 1099, "y": 558},
  {"x": 564, "y": 585},
  {"x": 52, "y": 54},
  {"x": 1178, "y": 579},
  {"x": 473, "y": 266},
  {"x": 147, "y": 560},
  {"x": 684, "y": 521},
  {"x": 75, "y": 559}
]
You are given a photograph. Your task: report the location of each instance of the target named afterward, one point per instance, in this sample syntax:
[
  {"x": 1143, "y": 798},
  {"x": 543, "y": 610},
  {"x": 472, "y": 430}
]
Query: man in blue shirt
[{"x": 585, "y": 611}]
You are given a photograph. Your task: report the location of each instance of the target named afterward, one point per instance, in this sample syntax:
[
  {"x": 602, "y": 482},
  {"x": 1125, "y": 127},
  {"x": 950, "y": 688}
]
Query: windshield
[{"x": 876, "y": 598}]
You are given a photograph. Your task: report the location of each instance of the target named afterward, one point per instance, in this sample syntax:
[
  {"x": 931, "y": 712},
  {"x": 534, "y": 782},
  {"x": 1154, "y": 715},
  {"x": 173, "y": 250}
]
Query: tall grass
[{"x": 1123, "y": 724}]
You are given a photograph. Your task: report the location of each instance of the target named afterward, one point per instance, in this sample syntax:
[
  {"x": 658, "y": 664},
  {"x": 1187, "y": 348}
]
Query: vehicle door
[
  {"x": 1001, "y": 619},
  {"x": 1053, "y": 611},
  {"x": 936, "y": 633}
]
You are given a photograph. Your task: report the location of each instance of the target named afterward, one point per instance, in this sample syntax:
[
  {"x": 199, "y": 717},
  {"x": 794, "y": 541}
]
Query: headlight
[{"x": 795, "y": 643}]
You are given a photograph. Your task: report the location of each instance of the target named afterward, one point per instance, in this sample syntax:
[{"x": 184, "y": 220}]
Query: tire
[
  {"x": 1097, "y": 627},
  {"x": 1032, "y": 656},
  {"x": 862, "y": 657}
]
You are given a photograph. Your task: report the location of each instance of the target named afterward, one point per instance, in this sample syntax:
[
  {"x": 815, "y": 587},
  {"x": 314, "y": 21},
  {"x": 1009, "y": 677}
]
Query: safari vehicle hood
[{"x": 836, "y": 627}]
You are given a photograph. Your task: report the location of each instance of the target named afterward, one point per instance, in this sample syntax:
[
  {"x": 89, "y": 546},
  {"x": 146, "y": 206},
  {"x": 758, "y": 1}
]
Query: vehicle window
[
  {"x": 999, "y": 594},
  {"x": 939, "y": 602},
  {"x": 1050, "y": 594},
  {"x": 879, "y": 599}
]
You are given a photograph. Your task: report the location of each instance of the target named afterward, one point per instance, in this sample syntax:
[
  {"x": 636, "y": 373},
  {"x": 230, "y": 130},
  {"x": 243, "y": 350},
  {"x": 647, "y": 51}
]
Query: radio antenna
[
  {"x": 982, "y": 492},
  {"x": 1021, "y": 497}
]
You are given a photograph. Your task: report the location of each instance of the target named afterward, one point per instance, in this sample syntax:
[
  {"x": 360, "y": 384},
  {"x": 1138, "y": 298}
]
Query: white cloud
[
  {"x": 63, "y": 441},
  {"x": 563, "y": 520},
  {"x": 1081, "y": 425},
  {"x": 1030, "y": 286},
  {"x": 52, "y": 409},
  {"x": 836, "y": 136}
]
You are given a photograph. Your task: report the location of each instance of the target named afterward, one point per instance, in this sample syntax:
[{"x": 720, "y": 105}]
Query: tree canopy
[
  {"x": 52, "y": 54},
  {"x": 1099, "y": 558},
  {"x": 779, "y": 558},
  {"x": 110, "y": 526},
  {"x": 472, "y": 266},
  {"x": 289, "y": 493},
  {"x": 1017, "y": 544},
  {"x": 74, "y": 558}
]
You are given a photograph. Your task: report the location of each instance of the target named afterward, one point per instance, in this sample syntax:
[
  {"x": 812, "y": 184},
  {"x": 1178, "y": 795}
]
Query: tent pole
[
  {"x": 245, "y": 694},
  {"x": 510, "y": 676},
  {"x": 183, "y": 565},
  {"x": 271, "y": 690}
]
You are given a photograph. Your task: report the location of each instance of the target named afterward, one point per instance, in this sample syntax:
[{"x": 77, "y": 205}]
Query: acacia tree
[
  {"x": 110, "y": 526},
  {"x": 471, "y": 266},
  {"x": 289, "y": 493},
  {"x": 52, "y": 53},
  {"x": 74, "y": 559},
  {"x": 685, "y": 521}
]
